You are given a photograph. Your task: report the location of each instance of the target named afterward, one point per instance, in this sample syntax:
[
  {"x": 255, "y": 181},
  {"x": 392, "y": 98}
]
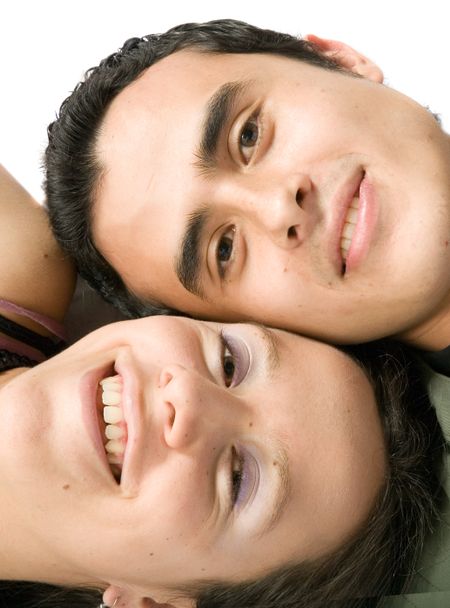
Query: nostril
[
  {"x": 292, "y": 232},
  {"x": 299, "y": 197},
  {"x": 168, "y": 426},
  {"x": 170, "y": 420},
  {"x": 165, "y": 378}
]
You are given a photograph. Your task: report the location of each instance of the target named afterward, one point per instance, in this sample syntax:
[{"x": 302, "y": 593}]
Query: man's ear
[
  {"x": 117, "y": 597},
  {"x": 347, "y": 57}
]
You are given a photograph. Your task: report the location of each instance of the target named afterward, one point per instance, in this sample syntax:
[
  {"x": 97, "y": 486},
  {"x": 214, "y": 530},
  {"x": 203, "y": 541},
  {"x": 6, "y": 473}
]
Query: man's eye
[
  {"x": 249, "y": 134},
  {"x": 248, "y": 138},
  {"x": 224, "y": 251}
]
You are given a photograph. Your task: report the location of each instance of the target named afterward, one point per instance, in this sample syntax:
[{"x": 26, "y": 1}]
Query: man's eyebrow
[
  {"x": 187, "y": 263},
  {"x": 219, "y": 107},
  {"x": 218, "y": 110}
]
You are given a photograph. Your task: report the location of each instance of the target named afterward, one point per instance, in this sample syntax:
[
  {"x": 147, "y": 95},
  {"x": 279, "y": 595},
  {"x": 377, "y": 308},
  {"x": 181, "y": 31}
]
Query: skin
[
  {"x": 173, "y": 505},
  {"x": 295, "y": 137},
  {"x": 34, "y": 272}
]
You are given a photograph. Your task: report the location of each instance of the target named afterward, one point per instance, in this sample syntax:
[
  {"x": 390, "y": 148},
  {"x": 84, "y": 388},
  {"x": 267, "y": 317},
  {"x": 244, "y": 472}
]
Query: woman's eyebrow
[
  {"x": 217, "y": 113},
  {"x": 270, "y": 341},
  {"x": 283, "y": 491},
  {"x": 280, "y": 460}
]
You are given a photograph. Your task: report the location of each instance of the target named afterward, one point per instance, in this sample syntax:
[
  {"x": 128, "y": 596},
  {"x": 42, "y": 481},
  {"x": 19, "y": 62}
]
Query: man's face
[{"x": 259, "y": 187}]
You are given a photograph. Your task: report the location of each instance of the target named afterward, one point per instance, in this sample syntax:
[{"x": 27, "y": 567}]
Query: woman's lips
[
  {"x": 132, "y": 407},
  {"x": 92, "y": 418},
  {"x": 113, "y": 424}
]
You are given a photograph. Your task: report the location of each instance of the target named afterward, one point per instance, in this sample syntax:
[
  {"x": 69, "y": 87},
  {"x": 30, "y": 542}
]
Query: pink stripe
[
  {"x": 56, "y": 328},
  {"x": 19, "y": 348}
]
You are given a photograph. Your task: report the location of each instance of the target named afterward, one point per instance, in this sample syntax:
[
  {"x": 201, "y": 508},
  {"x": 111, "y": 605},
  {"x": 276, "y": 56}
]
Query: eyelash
[
  {"x": 227, "y": 352},
  {"x": 236, "y": 476},
  {"x": 222, "y": 264},
  {"x": 255, "y": 120}
]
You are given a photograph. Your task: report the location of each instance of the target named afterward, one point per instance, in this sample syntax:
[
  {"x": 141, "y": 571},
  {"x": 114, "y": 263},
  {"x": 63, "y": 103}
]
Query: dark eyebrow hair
[
  {"x": 217, "y": 113},
  {"x": 187, "y": 263},
  {"x": 218, "y": 109}
]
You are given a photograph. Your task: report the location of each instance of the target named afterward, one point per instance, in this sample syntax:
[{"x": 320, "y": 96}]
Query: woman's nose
[{"x": 189, "y": 410}]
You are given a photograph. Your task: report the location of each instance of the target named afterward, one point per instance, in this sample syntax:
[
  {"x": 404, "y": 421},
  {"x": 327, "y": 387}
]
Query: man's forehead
[
  {"x": 161, "y": 89},
  {"x": 146, "y": 110},
  {"x": 142, "y": 139},
  {"x": 165, "y": 106},
  {"x": 190, "y": 58},
  {"x": 188, "y": 76},
  {"x": 188, "y": 69}
]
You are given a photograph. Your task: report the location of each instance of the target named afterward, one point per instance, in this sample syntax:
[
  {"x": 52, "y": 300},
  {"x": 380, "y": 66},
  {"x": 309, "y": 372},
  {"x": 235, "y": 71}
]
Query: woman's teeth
[
  {"x": 113, "y": 416},
  {"x": 113, "y": 431},
  {"x": 349, "y": 227}
]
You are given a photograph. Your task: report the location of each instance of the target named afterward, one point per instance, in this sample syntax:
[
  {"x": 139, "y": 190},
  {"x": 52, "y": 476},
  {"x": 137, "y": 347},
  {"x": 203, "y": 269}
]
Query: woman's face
[{"x": 244, "y": 448}]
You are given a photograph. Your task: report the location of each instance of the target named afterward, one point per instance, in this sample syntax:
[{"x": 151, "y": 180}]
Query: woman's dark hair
[
  {"x": 72, "y": 169},
  {"x": 22, "y": 594},
  {"x": 382, "y": 557}
]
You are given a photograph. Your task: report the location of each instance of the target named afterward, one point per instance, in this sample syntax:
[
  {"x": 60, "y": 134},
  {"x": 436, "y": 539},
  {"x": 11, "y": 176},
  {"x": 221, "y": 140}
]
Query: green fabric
[
  {"x": 431, "y": 585},
  {"x": 434, "y": 599}
]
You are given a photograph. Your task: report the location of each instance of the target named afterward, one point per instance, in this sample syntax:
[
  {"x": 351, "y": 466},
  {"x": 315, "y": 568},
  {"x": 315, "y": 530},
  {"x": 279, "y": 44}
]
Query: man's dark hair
[
  {"x": 382, "y": 557},
  {"x": 73, "y": 171}
]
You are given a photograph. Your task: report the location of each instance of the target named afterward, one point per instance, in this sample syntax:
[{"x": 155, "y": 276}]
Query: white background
[{"x": 46, "y": 45}]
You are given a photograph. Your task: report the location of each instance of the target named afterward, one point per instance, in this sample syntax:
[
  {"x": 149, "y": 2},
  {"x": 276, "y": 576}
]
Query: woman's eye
[
  {"x": 229, "y": 367},
  {"x": 234, "y": 360},
  {"x": 224, "y": 251},
  {"x": 237, "y": 466},
  {"x": 248, "y": 138}
]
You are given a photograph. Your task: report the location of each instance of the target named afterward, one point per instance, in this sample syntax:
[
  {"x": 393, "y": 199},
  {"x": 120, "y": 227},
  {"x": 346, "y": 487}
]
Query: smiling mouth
[
  {"x": 113, "y": 428},
  {"x": 349, "y": 226}
]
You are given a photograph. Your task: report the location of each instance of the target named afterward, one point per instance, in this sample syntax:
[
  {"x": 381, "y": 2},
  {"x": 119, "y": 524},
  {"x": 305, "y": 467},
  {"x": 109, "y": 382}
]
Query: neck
[{"x": 432, "y": 334}]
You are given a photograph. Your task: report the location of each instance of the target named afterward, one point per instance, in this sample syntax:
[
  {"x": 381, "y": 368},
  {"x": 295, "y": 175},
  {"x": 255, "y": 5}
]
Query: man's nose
[
  {"x": 277, "y": 209},
  {"x": 189, "y": 410}
]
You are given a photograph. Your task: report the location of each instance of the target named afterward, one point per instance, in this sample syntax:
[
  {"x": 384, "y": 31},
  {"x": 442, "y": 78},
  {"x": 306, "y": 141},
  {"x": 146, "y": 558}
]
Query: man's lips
[
  {"x": 340, "y": 206},
  {"x": 354, "y": 215},
  {"x": 365, "y": 226}
]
